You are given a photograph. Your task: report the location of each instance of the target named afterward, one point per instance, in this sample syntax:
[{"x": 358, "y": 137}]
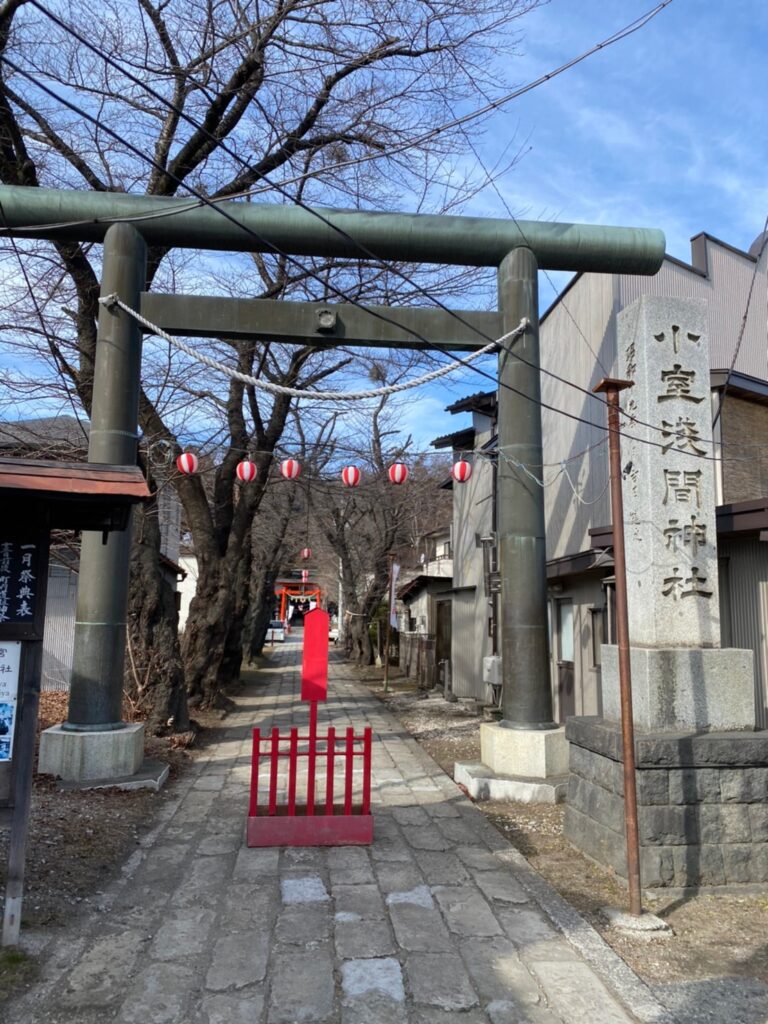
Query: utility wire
[
  {"x": 433, "y": 133},
  {"x": 335, "y": 290},
  {"x": 364, "y": 250},
  {"x": 622, "y": 34},
  {"x": 268, "y": 247}
]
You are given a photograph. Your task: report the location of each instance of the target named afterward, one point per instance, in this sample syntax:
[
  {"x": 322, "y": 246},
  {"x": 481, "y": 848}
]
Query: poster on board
[{"x": 10, "y": 662}]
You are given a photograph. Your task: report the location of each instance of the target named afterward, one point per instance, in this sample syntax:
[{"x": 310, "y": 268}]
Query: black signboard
[{"x": 19, "y": 581}]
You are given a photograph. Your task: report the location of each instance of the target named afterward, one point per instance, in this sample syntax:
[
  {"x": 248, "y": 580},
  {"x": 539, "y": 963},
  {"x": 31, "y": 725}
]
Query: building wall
[
  {"x": 468, "y": 645},
  {"x": 585, "y": 593},
  {"x": 744, "y": 460},
  {"x": 744, "y": 585},
  {"x": 59, "y": 637},
  {"x": 726, "y": 287},
  {"x": 420, "y": 610},
  {"x": 187, "y": 587},
  {"x": 472, "y": 518},
  {"x": 577, "y": 343},
  {"x": 169, "y": 514}
]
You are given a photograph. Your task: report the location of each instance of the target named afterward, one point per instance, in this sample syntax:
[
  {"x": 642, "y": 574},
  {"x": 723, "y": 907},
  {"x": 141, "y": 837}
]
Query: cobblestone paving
[{"x": 436, "y": 922}]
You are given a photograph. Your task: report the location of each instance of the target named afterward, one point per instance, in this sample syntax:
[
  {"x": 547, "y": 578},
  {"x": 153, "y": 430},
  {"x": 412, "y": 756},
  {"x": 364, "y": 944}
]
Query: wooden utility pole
[{"x": 611, "y": 387}]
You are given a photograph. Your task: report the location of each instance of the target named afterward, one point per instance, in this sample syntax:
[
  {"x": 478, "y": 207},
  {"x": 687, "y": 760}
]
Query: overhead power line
[{"x": 621, "y": 34}]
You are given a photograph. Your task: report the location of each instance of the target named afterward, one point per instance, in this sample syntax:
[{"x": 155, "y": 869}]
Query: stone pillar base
[
  {"x": 531, "y": 753},
  {"x": 525, "y": 765},
  {"x": 702, "y": 811},
  {"x": 681, "y": 688},
  {"x": 80, "y": 756}
]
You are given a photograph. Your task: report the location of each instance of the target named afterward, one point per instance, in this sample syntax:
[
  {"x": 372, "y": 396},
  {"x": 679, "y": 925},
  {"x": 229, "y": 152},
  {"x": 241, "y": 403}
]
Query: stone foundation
[
  {"x": 530, "y": 753},
  {"x": 683, "y": 688},
  {"x": 702, "y": 803},
  {"x": 83, "y": 756}
]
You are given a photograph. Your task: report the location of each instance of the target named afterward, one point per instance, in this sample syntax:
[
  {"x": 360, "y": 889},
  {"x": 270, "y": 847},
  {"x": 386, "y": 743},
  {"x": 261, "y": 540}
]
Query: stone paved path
[{"x": 439, "y": 921}]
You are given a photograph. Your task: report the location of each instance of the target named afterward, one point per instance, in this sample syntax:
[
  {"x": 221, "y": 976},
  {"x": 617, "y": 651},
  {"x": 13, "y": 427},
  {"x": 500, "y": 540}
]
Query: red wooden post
[
  {"x": 349, "y": 754},
  {"x": 330, "y": 755},
  {"x": 293, "y": 770},
  {"x": 311, "y": 758},
  {"x": 367, "y": 736},
  {"x": 274, "y": 754},
  {"x": 255, "y": 755},
  {"x": 314, "y": 663}
]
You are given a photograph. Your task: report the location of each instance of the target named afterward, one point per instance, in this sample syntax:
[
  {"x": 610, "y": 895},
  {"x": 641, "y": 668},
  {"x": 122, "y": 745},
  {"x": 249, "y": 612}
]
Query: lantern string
[{"x": 305, "y": 393}]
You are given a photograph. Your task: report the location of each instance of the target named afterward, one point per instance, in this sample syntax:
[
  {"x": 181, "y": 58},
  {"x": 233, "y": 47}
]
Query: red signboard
[{"x": 314, "y": 666}]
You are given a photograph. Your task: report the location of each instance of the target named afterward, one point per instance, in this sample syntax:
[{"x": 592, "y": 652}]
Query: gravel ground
[{"x": 719, "y": 948}]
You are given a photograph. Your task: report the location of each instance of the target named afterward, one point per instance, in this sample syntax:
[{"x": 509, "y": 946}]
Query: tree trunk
[
  {"x": 233, "y": 648},
  {"x": 206, "y": 633},
  {"x": 360, "y": 640},
  {"x": 154, "y": 678},
  {"x": 260, "y": 612}
]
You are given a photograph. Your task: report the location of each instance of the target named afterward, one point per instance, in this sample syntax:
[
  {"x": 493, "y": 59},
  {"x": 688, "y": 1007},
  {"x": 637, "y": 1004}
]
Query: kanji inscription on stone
[{"x": 670, "y": 501}]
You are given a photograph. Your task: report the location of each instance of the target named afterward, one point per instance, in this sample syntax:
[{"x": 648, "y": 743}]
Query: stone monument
[{"x": 702, "y": 770}]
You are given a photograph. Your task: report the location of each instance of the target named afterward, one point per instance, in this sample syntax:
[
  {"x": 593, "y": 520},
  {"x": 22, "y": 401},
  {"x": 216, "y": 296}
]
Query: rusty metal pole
[{"x": 611, "y": 387}]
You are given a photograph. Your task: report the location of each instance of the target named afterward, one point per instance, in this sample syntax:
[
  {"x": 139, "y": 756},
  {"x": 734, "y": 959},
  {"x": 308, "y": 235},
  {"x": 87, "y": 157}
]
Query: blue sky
[{"x": 666, "y": 129}]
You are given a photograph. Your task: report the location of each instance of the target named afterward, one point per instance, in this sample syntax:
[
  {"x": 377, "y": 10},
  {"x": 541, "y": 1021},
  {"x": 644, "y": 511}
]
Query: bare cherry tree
[{"x": 316, "y": 101}]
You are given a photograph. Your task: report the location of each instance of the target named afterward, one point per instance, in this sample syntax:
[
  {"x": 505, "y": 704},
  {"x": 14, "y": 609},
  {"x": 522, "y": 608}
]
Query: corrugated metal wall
[
  {"x": 747, "y": 574},
  {"x": 466, "y": 660},
  {"x": 578, "y": 343},
  {"x": 725, "y": 288},
  {"x": 59, "y": 638}
]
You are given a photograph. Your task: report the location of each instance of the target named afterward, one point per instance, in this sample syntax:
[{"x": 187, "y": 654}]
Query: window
[
  {"x": 565, "y": 630},
  {"x": 599, "y": 622}
]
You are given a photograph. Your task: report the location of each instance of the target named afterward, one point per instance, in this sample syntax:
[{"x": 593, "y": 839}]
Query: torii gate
[{"x": 516, "y": 248}]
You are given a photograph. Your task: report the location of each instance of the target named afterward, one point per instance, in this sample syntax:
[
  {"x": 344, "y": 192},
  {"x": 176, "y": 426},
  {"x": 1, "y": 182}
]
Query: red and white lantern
[
  {"x": 306, "y": 553},
  {"x": 461, "y": 471},
  {"x": 304, "y": 575},
  {"x": 290, "y": 468},
  {"x": 350, "y": 476},
  {"x": 398, "y": 473},
  {"x": 187, "y": 463},
  {"x": 246, "y": 471}
]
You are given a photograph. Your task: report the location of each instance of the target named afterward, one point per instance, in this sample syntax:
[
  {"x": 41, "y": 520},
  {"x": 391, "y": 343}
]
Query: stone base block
[
  {"x": 151, "y": 775},
  {"x": 483, "y": 784},
  {"x": 702, "y": 804},
  {"x": 81, "y": 756},
  {"x": 530, "y": 753},
  {"x": 683, "y": 688}
]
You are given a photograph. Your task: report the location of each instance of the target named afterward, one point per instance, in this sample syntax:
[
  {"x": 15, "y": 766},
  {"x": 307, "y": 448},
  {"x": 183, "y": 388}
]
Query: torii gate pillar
[
  {"x": 95, "y": 743},
  {"x": 527, "y": 743}
]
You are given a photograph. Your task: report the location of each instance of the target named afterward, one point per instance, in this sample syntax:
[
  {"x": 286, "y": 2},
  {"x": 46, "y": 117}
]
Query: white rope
[{"x": 325, "y": 396}]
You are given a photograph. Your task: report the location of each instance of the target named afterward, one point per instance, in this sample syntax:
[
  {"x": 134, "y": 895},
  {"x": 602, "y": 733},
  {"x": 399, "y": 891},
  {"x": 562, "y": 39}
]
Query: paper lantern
[
  {"x": 187, "y": 463},
  {"x": 350, "y": 476},
  {"x": 304, "y": 575},
  {"x": 290, "y": 468},
  {"x": 461, "y": 471},
  {"x": 398, "y": 473},
  {"x": 306, "y": 553},
  {"x": 246, "y": 471}
]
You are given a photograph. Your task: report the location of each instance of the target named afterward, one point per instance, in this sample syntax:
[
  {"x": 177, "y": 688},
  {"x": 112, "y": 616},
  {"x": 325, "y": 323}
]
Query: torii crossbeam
[{"x": 127, "y": 224}]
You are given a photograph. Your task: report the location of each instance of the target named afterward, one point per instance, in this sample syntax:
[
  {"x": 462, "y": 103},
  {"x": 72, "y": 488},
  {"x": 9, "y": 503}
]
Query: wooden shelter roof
[{"x": 76, "y": 495}]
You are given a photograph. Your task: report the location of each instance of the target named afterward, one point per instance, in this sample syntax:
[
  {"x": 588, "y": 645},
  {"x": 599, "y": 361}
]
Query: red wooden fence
[{"x": 306, "y": 820}]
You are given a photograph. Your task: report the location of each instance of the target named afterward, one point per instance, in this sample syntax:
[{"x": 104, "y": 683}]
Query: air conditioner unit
[{"x": 492, "y": 670}]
